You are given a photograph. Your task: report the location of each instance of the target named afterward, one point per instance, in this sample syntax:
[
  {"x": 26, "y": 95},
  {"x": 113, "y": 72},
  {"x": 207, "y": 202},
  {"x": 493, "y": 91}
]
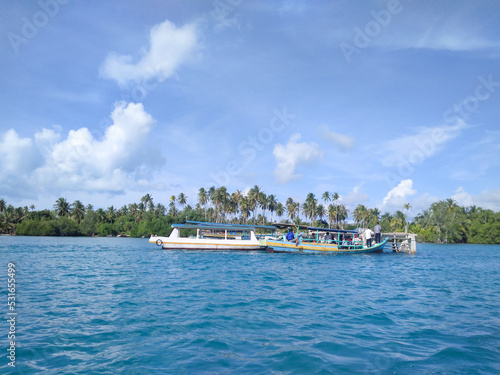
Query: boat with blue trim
[{"x": 320, "y": 241}]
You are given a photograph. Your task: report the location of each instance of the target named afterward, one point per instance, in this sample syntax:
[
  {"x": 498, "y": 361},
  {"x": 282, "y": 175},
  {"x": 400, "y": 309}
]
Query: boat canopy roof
[
  {"x": 332, "y": 230},
  {"x": 285, "y": 226},
  {"x": 190, "y": 224}
]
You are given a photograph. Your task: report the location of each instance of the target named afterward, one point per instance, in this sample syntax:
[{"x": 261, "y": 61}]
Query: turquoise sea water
[{"x": 120, "y": 305}]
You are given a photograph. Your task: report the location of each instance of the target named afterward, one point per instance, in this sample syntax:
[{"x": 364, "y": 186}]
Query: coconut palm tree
[
  {"x": 245, "y": 208},
  {"x": 335, "y": 197},
  {"x": 2, "y": 205},
  {"x": 147, "y": 200},
  {"x": 271, "y": 205},
  {"x": 292, "y": 209},
  {"x": 253, "y": 196},
  {"x": 202, "y": 199},
  {"x": 61, "y": 207},
  {"x": 160, "y": 210},
  {"x": 320, "y": 211},
  {"x": 78, "y": 211},
  {"x": 111, "y": 214},
  {"x": 279, "y": 210},
  {"x": 309, "y": 207},
  {"x": 101, "y": 215},
  {"x": 262, "y": 201},
  {"x": 326, "y": 197},
  {"x": 406, "y": 207},
  {"x": 360, "y": 214},
  {"x": 182, "y": 199}
]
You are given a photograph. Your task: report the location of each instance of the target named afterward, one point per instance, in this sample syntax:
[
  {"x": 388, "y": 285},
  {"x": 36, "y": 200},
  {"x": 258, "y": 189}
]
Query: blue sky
[{"x": 383, "y": 102}]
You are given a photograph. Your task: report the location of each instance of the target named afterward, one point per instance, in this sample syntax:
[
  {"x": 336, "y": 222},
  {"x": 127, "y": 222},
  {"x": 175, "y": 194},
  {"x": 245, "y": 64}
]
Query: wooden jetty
[{"x": 401, "y": 242}]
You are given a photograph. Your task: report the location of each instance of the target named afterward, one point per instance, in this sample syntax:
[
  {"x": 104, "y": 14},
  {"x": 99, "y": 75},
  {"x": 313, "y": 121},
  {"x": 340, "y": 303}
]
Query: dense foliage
[{"x": 443, "y": 222}]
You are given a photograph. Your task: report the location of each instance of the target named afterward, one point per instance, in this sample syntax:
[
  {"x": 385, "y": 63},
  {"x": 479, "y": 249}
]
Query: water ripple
[{"x": 120, "y": 305}]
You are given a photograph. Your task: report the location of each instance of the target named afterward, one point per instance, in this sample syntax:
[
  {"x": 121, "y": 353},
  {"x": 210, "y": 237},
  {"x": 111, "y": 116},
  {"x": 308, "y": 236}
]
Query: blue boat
[{"x": 317, "y": 241}]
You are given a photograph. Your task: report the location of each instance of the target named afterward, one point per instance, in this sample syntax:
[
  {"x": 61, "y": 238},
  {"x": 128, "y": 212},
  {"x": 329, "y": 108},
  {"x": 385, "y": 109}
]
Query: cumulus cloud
[
  {"x": 81, "y": 161},
  {"x": 355, "y": 196},
  {"x": 414, "y": 149},
  {"x": 292, "y": 155},
  {"x": 399, "y": 195},
  {"x": 169, "y": 48},
  {"x": 342, "y": 142}
]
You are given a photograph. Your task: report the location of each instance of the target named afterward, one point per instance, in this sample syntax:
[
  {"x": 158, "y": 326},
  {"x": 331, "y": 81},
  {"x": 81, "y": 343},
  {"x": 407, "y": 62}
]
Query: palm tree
[
  {"x": 326, "y": 197},
  {"x": 360, "y": 214},
  {"x": 182, "y": 199},
  {"x": 78, "y": 211},
  {"x": 2, "y": 205},
  {"x": 406, "y": 207},
  {"x": 61, "y": 207},
  {"x": 271, "y": 204},
  {"x": 245, "y": 208},
  {"x": 320, "y": 211},
  {"x": 101, "y": 215},
  {"x": 335, "y": 197},
  {"x": 253, "y": 196},
  {"x": 309, "y": 207},
  {"x": 171, "y": 205},
  {"x": 160, "y": 210},
  {"x": 373, "y": 216},
  {"x": 292, "y": 209},
  {"x": 202, "y": 199},
  {"x": 262, "y": 200},
  {"x": 172, "y": 209},
  {"x": 236, "y": 198},
  {"x": 279, "y": 210},
  {"x": 147, "y": 200},
  {"x": 111, "y": 214}
]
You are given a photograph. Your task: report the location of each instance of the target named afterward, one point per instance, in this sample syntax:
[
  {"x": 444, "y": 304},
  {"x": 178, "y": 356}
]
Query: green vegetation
[{"x": 443, "y": 222}]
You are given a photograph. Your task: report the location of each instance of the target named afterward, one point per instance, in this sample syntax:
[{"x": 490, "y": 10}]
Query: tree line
[{"x": 443, "y": 222}]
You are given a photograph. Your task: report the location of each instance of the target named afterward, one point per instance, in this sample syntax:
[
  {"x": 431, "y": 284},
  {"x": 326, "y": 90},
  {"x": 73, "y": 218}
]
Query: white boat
[{"x": 211, "y": 236}]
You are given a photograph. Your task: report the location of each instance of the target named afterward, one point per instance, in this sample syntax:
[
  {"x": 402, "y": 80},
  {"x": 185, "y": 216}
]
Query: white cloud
[
  {"x": 398, "y": 196},
  {"x": 81, "y": 162},
  {"x": 343, "y": 142},
  {"x": 169, "y": 47},
  {"x": 292, "y": 155},
  {"x": 414, "y": 149},
  {"x": 355, "y": 197}
]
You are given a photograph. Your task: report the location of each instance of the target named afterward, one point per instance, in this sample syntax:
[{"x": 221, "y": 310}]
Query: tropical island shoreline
[{"x": 443, "y": 222}]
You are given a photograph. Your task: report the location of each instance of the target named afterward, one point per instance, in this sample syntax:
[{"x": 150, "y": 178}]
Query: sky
[{"x": 383, "y": 102}]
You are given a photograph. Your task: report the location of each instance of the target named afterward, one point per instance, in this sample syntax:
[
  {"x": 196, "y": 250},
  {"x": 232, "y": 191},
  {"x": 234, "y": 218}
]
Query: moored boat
[
  {"x": 320, "y": 241},
  {"x": 211, "y": 236}
]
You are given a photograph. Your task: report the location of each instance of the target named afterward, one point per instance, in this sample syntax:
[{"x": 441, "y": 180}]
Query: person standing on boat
[
  {"x": 328, "y": 237},
  {"x": 377, "y": 230},
  {"x": 368, "y": 236}
]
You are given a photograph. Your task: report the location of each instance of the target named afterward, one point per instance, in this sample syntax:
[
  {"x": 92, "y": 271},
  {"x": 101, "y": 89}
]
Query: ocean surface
[{"x": 122, "y": 305}]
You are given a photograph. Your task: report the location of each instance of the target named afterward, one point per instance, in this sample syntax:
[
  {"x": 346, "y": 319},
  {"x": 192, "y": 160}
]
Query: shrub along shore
[{"x": 443, "y": 222}]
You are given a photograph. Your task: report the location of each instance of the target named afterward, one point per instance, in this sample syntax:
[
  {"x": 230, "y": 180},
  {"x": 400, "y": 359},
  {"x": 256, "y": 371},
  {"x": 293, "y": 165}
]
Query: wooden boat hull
[{"x": 280, "y": 246}]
